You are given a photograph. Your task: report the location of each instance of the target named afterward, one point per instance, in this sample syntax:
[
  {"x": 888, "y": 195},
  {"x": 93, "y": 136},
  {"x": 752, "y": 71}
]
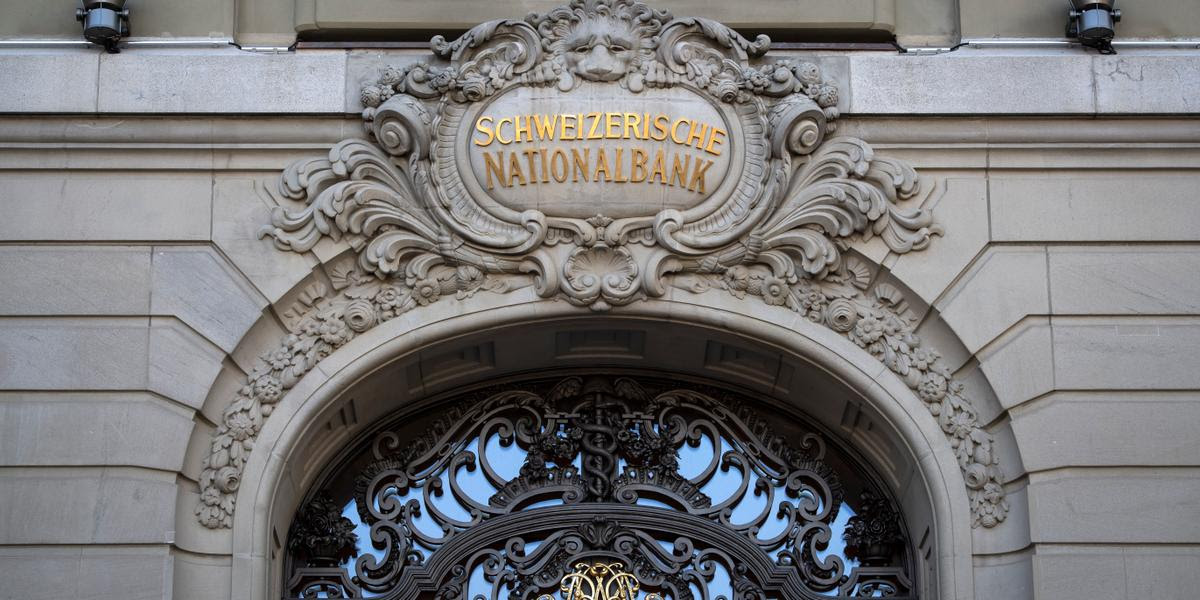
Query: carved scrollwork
[{"x": 776, "y": 226}]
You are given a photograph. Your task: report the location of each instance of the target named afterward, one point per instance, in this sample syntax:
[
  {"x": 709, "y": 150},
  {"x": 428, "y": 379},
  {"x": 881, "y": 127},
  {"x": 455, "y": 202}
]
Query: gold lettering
[
  {"x": 697, "y": 184},
  {"x": 514, "y": 169},
  {"x": 660, "y": 168},
  {"x": 494, "y": 165},
  {"x": 580, "y": 164},
  {"x": 675, "y": 129},
  {"x": 519, "y": 130},
  {"x": 544, "y": 125},
  {"x": 697, "y": 135},
  {"x": 611, "y": 121},
  {"x": 714, "y": 141},
  {"x": 485, "y": 130},
  {"x": 638, "y": 169},
  {"x": 646, "y": 126},
  {"x": 499, "y": 127},
  {"x": 545, "y": 166},
  {"x": 562, "y": 132},
  {"x": 661, "y": 124},
  {"x": 560, "y": 174},
  {"x": 592, "y": 134},
  {"x": 679, "y": 171},
  {"x": 617, "y": 163},
  {"x": 529, "y": 154},
  {"x": 602, "y": 165},
  {"x": 632, "y": 120}
]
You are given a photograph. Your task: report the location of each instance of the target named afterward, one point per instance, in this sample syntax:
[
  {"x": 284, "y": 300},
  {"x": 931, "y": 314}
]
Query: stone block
[
  {"x": 1079, "y": 573},
  {"x": 1163, "y": 572},
  {"x": 970, "y": 82},
  {"x": 241, "y": 208},
  {"x": 1002, "y": 287},
  {"x": 92, "y": 429},
  {"x": 1126, "y": 353},
  {"x": 1128, "y": 83},
  {"x": 222, "y": 81},
  {"x": 80, "y": 505},
  {"x": 1109, "y": 428},
  {"x": 1004, "y": 577},
  {"x": 201, "y": 576},
  {"x": 107, "y": 206},
  {"x": 86, "y": 573},
  {"x": 198, "y": 286},
  {"x": 1020, "y": 364},
  {"x": 183, "y": 364},
  {"x": 73, "y": 353},
  {"x": 1115, "y": 505},
  {"x": 50, "y": 280},
  {"x": 1094, "y": 207},
  {"x": 49, "y": 81},
  {"x": 1114, "y": 280},
  {"x": 962, "y": 211}
]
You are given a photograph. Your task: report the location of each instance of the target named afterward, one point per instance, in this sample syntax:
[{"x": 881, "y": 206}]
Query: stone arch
[{"x": 880, "y": 411}]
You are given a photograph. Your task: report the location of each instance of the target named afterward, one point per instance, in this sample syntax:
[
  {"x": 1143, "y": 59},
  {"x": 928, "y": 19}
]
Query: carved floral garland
[{"x": 780, "y": 236}]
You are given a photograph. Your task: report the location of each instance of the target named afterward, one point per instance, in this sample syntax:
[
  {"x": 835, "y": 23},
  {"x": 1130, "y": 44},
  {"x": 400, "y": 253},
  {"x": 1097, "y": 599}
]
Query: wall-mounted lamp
[
  {"x": 1092, "y": 21},
  {"x": 105, "y": 22}
]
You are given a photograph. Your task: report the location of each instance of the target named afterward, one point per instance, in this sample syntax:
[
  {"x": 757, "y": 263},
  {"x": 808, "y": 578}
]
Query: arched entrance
[{"x": 821, "y": 377}]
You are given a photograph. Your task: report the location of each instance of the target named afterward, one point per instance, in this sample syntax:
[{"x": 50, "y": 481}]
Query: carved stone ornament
[{"x": 602, "y": 153}]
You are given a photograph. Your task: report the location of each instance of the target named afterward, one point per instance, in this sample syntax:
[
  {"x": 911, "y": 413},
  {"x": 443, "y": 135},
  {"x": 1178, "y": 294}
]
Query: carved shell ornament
[{"x": 505, "y": 166}]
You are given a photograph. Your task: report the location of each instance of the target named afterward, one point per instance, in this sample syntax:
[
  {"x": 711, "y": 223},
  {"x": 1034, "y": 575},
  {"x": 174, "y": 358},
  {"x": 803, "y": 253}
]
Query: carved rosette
[{"x": 776, "y": 227}]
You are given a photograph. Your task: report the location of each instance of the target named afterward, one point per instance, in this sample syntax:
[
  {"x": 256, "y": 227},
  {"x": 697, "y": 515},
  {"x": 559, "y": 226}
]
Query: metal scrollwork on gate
[{"x": 599, "y": 487}]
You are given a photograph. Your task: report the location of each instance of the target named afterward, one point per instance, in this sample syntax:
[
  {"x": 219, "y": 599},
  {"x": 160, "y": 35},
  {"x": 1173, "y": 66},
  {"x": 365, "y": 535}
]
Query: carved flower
[
  {"x": 932, "y": 387},
  {"x": 241, "y": 425},
  {"x": 990, "y": 506},
  {"x": 826, "y": 96},
  {"x": 212, "y": 516},
  {"x": 923, "y": 358},
  {"x": 372, "y": 96},
  {"x": 959, "y": 426},
  {"x": 756, "y": 80},
  {"x": 443, "y": 78},
  {"x": 737, "y": 280},
  {"x": 775, "y": 291},
  {"x": 267, "y": 389},
  {"x": 841, "y": 315},
  {"x": 360, "y": 315},
  {"x": 867, "y": 331},
  {"x": 334, "y": 332},
  {"x": 228, "y": 479},
  {"x": 391, "y": 76},
  {"x": 808, "y": 73},
  {"x": 426, "y": 291},
  {"x": 280, "y": 359}
]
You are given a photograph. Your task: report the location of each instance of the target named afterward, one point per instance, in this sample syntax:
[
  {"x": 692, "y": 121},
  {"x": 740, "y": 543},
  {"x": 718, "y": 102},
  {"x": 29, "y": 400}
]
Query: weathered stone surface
[
  {"x": 108, "y": 206},
  {"x": 182, "y": 363},
  {"x": 970, "y": 82},
  {"x": 1126, "y": 352},
  {"x": 108, "y": 505},
  {"x": 1114, "y": 280},
  {"x": 92, "y": 428},
  {"x": 1079, "y": 573},
  {"x": 64, "y": 353},
  {"x": 27, "y": 88},
  {"x": 81, "y": 280},
  {"x": 201, "y": 576},
  {"x": 1089, "y": 207},
  {"x": 86, "y": 572},
  {"x": 1109, "y": 428},
  {"x": 222, "y": 81},
  {"x": 1115, "y": 505},
  {"x": 1020, "y": 364},
  {"x": 198, "y": 286},
  {"x": 1004, "y": 577},
  {"x": 1002, "y": 287},
  {"x": 1129, "y": 83},
  {"x": 962, "y": 212},
  {"x": 240, "y": 208}
]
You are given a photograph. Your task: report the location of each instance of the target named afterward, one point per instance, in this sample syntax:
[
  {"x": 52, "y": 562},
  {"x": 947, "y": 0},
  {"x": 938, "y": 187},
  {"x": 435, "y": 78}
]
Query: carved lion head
[{"x": 602, "y": 40}]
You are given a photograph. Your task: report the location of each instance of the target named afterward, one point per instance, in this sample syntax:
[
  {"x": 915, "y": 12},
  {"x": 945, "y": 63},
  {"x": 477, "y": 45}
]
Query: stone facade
[{"x": 1006, "y": 324}]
